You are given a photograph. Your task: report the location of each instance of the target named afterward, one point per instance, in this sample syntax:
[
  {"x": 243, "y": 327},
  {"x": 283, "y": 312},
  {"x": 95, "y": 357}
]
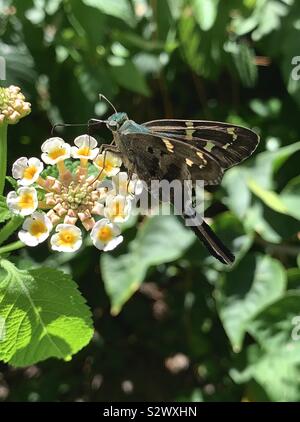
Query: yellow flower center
[
  {"x": 38, "y": 228},
  {"x": 85, "y": 151},
  {"x": 29, "y": 172},
  {"x": 57, "y": 152},
  {"x": 67, "y": 238},
  {"x": 105, "y": 234},
  {"x": 26, "y": 201},
  {"x": 108, "y": 164}
]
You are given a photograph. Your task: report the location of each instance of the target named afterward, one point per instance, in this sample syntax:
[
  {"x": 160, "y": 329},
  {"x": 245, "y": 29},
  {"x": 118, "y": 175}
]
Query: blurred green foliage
[{"x": 193, "y": 330}]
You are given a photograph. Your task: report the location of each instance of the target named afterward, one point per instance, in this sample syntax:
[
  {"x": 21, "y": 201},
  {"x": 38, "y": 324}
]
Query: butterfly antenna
[
  {"x": 91, "y": 122},
  {"x": 107, "y": 100}
]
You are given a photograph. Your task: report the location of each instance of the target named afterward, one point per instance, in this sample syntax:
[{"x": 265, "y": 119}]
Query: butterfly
[{"x": 172, "y": 149}]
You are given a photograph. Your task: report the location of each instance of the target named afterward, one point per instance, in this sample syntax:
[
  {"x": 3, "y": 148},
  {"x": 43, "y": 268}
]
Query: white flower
[
  {"x": 55, "y": 150},
  {"x": 27, "y": 170},
  {"x": 85, "y": 147},
  {"x": 36, "y": 229},
  {"x": 106, "y": 235},
  {"x": 23, "y": 202},
  {"x": 109, "y": 163},
  {"x": 124, "y": 186},
  {"x": 67, "y": 239},
  {"x": 117, "y": 208}
]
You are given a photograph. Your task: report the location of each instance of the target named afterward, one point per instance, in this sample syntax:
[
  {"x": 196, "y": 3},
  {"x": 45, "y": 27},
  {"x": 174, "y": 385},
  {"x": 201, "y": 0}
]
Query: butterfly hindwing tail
[{"x": 213, "y": 244}]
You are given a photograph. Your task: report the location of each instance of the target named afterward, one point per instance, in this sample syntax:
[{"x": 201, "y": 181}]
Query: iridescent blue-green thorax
[
  {"x": 117, "y": 119},
  {"x": 119, "y": 122}
]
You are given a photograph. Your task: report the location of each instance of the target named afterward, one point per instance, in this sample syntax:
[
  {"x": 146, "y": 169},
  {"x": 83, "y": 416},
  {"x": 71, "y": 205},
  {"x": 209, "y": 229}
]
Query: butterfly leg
[
  {"x": 109, "y": 147},
  {"x": 104, "y": 148},
  {"x": 129, "y": 173}
]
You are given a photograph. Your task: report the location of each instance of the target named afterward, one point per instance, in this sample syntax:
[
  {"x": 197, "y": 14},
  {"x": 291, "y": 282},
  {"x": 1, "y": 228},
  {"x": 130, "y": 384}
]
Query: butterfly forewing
[{"x": 228, "y": 144}]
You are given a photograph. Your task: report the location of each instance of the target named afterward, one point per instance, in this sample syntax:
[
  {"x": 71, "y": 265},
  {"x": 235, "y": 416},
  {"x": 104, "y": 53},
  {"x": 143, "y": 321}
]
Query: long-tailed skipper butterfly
[{"x": 182, "y": 150}]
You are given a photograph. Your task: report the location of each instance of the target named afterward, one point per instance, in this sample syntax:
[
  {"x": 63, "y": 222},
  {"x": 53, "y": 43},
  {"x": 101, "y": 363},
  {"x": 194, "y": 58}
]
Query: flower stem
[
  {"x": 61, "y": 168},
  {"x": 3, "y": 155},
  {"x": 83, "y": 162},
  {"x": 12, "y": 247},
  {"x": 10, "y": 228}
]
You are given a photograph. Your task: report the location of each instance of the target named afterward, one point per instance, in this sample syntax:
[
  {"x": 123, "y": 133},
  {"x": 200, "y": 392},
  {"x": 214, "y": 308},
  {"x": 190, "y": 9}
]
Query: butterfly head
[{"x": 116, "y": 120}]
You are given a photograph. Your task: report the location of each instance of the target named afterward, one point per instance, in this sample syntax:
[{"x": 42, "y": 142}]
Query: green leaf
[
  {"x": 276, "y": 326},
  {"x": 293, "y": 275},
  {"x": 283, "y": 154},
  {"x": 277, "y": 330},
  {"x": 270, "y": 198},
  {"x": 5, "y": 214},
  {"x": 290, "y": 197},
  {"x": 44, "y": 315},
  {"x": 202, "y": 50},
  {"x": 244, "y": 60},
  {"x": 256, "y": 220},
  {"x": 279, "y": 375},
  {"x": 161, "y": 239},
  {"x": 120, "y": 9},
  {"x": 288, "y": 202},
  {"x": 266, "y": 109},
  {"x": 190, "y": 40},
  {"x": 248, "y": 289},
  {"x": 19, "y": 65},
  {"x": 164, "y": 19},
  {"x": 239, "y": 196},
  {"x": 274, "y": 9},
  {"x": 205, "y": 12},
  {"x": 12, "y": 181},
  {"x": 129, "y": 77},
  {"x": 269, "y": 162},
  {"x": 122, "y": 277}
]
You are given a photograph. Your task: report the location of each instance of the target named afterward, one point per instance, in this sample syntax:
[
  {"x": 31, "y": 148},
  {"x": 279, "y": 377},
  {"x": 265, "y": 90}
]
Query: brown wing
[
  {"x": 156, "y": 156},
  {"x": 226, "y": 143}
]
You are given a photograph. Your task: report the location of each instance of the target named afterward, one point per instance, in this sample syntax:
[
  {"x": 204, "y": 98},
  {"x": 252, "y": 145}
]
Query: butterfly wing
[
  {"x": 228, "y": 144},
  {"x": 158, "y": 156},
  {"x": 153, "y": 157}
]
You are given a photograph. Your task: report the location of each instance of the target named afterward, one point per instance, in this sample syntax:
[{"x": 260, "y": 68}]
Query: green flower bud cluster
[
  {"x": 12, "y": 105},
  {"x": 75, "y": 197}
]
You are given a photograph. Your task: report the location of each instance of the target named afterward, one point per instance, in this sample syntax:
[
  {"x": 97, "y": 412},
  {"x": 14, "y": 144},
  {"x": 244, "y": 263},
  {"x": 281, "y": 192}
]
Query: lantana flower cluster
[
  {"x": 61, "y": 207},
  {"x": 12, "y": 105}
]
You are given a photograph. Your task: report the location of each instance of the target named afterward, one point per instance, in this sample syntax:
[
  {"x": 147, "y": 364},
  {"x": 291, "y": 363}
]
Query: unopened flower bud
[{"x": 12, "y": 105}]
